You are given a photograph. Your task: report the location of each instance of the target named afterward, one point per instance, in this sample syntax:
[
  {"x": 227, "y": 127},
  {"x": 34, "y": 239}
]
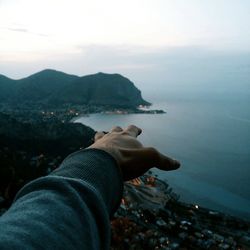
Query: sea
[{"x": 211, "y": 139}]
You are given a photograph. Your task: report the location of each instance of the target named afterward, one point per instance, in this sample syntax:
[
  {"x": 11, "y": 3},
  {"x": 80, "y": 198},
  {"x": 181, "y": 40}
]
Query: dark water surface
[{"x": 212, "y": 141}]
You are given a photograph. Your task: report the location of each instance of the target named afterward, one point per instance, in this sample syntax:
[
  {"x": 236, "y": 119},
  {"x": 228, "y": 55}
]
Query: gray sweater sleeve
[{"x": 68, "y": 209}]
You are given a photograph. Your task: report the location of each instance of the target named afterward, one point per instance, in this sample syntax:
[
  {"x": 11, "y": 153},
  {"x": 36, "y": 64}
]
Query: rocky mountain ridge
[{"x": 55, "y": 88}]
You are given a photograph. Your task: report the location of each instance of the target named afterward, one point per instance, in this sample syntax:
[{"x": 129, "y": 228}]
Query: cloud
[
  {"x": 23, "y": 30},
  {"x": 18, "y": 29}
]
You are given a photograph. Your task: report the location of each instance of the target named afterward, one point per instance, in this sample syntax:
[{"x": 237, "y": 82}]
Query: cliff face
[{"x": 53, "y": 87}]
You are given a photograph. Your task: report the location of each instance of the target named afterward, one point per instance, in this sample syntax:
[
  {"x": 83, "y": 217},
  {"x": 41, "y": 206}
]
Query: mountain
[
  {"x": 54, "y": 87},
  {"x": 7, "y": 88},
  {"x": 101, "y": 89},
  {"x": 42, "y": 85}
]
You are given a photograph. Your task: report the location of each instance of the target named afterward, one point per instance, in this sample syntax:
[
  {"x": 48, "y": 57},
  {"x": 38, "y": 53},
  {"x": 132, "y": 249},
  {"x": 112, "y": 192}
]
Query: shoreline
[{"x": 119, "y": 112}]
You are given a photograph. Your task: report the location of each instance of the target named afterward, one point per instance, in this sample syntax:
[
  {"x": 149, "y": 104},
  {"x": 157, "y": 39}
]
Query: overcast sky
[{"x": 79, "y": 36}]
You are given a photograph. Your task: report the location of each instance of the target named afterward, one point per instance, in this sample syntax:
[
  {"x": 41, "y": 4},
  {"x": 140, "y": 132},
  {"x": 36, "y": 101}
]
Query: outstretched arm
[{"x": 70, "y": 208}]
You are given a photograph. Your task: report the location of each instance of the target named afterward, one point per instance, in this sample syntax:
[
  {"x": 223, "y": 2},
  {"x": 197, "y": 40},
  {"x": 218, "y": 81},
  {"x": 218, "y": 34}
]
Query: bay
[{"x": 210, "y": 138}]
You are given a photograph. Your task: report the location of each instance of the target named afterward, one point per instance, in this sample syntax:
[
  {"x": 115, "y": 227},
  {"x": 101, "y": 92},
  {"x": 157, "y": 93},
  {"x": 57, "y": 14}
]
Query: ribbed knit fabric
[
  {"x": 98, "y": 169},
  {"x": 69, "y": 209}
]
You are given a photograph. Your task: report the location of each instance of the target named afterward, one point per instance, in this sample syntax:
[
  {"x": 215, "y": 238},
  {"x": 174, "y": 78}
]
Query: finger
[
  {"x": 151, "y": 157},
  {"x": 167, "y": 163},
  {"x": 99, "y": 135},
  {"x": 133, "y": 130},
  {"x": 116, "y": 129}
]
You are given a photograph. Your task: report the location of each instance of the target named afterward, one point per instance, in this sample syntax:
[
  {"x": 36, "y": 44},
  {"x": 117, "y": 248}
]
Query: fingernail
[{"x": 177, "y": 163}]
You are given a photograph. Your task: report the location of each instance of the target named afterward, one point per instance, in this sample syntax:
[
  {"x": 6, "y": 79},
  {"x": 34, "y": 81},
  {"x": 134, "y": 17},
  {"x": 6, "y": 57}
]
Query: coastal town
[
  {"x": 40, "y": 112},
  {"x": 152, "y": 217}
]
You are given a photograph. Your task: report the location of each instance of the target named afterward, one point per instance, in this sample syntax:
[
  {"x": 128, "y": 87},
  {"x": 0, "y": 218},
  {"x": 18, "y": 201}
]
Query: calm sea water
[{"x": 211, "y": 139}]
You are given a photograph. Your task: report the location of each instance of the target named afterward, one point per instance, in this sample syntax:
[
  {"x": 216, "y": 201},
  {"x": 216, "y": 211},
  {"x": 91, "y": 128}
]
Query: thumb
[
  {"x": 151, "y": 157},
  {"x": 166, "y": 163}
]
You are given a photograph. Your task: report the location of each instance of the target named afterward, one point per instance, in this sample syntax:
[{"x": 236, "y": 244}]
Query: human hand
[{"x": 131, "y": 156}]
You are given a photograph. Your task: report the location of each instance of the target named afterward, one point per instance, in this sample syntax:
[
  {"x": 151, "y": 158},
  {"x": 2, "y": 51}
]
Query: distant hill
[{"x": 54, "y": 87}]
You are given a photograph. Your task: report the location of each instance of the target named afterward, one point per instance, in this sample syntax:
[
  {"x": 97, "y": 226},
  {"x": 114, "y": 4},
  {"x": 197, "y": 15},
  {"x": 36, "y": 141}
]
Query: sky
[{"x": 132, "y": 37}]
